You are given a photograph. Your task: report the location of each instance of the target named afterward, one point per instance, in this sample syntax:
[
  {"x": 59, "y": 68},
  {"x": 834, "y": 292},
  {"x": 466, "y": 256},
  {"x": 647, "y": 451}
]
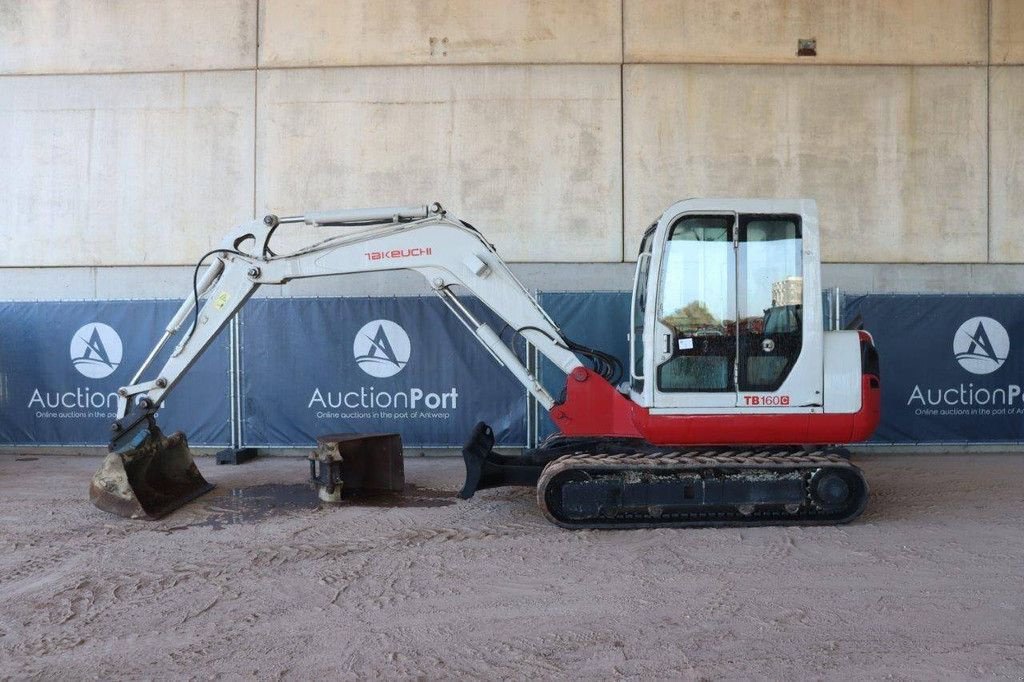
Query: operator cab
[{"x": 726, "y": 313}]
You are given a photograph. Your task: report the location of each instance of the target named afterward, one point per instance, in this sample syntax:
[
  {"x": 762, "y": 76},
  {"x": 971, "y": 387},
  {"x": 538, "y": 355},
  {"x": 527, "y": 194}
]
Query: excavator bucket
[{"x": 149, "y": 476}]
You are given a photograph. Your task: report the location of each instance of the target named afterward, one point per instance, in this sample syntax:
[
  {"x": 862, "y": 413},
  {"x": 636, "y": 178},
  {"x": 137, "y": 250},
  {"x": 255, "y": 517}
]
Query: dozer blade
[
  {"x": 486, "y": 468},
  {"x": 149, "y": 476}
]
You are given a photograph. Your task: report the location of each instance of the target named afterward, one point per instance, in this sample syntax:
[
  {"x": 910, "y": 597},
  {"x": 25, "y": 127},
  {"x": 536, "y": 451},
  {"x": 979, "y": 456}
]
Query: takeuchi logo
[
  {"x": 96, "y": 350},
  {"x": 981, "y": 345},
  {"x": 381, "y": 348}
]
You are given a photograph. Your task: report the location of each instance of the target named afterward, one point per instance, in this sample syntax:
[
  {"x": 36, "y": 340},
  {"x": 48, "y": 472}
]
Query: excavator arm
[{"x": 448, "y": 252}]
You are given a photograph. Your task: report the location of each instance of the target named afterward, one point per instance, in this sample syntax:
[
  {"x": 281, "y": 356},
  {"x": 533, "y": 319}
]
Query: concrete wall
[
  {"x": 1006, "y": 198},
  {"x": 390, "y": 32},
  {"x": 135, "y": 132},
  {"x": 123, "y": 169},
  {"x": 1007, "y": 26},
  {"x": 501, "y": 145},
  {"x": 105, "y": 36},
  {"x": 873, "y": 145},
  {"x": 846, "y": 31}
]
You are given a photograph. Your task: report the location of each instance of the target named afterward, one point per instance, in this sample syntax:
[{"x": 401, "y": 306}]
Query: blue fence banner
[
  {"x": 61, "y": 364},
  {"x": 598, "y": 319},
  {"x": 316, "y": 366},
  {"x": 952, "y": 366}
]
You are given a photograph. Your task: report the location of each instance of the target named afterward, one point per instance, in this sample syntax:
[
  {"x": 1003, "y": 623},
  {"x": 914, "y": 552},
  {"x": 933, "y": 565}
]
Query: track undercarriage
[{"x": 602, "y": 483}]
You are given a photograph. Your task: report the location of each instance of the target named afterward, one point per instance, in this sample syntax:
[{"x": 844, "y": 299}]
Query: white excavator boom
[{"x": 447, "y": 251}]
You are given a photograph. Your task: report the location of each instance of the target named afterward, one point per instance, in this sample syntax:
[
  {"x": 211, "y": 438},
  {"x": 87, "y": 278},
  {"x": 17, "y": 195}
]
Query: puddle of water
[
  {"x": 258, "y": 502},
  {"x": 255, "y": 503},
  {"x": 25, "y": 459},
  {"x": 411, "y": 496}
]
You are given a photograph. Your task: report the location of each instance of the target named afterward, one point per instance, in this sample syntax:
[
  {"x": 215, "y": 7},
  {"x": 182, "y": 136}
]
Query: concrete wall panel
[
  {"x": 847, "y": 31},
  {"x": 1007, "y": 31},
  {"x": 529, "y": 154},
  {"x": 1007, "y": 164},
  {"x": 388, "y": 32},
  {"x": 103, "y": 36},
  {"x": 123, "y": 169},
  {"x": 895, "y": 156}
]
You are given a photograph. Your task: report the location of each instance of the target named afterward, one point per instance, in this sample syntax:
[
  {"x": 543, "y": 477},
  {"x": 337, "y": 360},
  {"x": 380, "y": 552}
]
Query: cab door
[{"x": 693, "y": 328}]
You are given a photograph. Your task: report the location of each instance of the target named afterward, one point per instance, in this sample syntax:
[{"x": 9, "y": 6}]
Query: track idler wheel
[{"x": 831, "y": 489}]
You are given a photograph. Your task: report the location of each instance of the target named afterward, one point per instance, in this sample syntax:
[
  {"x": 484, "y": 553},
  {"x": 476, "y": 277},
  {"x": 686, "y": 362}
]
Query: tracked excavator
[{"x": 732, "y": 409}]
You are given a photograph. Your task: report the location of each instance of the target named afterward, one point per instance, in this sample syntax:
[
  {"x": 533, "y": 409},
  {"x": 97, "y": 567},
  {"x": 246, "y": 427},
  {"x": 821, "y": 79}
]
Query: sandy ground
[{"x": 253, "y": 581}]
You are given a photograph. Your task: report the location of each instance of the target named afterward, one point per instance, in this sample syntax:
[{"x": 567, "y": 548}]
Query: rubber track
[{"x": 707, "y": 462}]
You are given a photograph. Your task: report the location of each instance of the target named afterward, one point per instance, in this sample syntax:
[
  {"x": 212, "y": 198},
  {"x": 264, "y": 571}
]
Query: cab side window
[{"x": 770, "y": 300}]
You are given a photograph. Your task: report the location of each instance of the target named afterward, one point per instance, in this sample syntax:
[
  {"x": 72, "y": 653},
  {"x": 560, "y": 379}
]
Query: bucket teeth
[{"x": 151, "y": 476}]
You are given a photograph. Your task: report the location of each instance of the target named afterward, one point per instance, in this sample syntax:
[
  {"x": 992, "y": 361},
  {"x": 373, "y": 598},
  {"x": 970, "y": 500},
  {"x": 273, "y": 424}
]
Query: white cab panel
[{"x": 842, "y": 372}]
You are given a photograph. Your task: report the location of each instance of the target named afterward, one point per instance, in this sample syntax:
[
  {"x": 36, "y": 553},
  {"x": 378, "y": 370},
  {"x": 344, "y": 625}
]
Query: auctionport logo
[
  {"x": 96, "y": 350},
  {"x": 981, "y": 345},
  {"x": 381, "y": 348}
]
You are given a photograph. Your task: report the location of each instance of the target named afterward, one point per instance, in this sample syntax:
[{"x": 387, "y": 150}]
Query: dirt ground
[{"x": 254, "y": 581}]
